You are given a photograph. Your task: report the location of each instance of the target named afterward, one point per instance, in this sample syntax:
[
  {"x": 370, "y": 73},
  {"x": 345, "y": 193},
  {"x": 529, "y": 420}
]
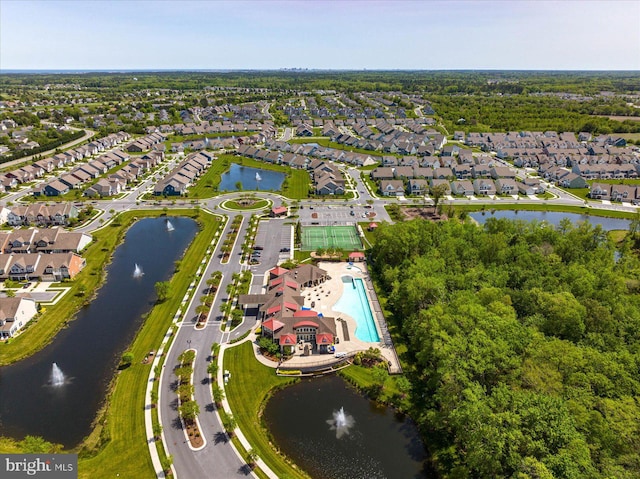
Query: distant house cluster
[
  {"x": 563, "y": 158},
  {"x": 116, "y": 182},
  {"x": 146, "y": 143},
  {"x": 461, "y": 173},
  {"x": 184, "y": 175},
  {"x": 45, "y": 166},
  {"x": 81, "y": 174},
  {"x": 281, "y": 309},
  {"x": 413, "y": 139}
]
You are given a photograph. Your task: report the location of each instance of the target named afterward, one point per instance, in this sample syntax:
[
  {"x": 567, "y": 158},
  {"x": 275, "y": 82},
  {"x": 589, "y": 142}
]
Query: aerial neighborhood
[{"x": 210, "y": 240}]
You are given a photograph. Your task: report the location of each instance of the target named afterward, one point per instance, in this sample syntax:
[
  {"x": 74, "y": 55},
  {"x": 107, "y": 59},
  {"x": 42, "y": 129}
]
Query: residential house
[
  {"x": 484, "y": 187},
  {"x": 462, "y": 188},
  {"x": 15, "y": 313},
  {"x": 392, "y": 187},
  {"x": 417, "y": 187}
]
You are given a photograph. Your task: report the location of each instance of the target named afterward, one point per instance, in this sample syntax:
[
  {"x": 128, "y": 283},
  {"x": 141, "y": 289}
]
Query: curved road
[{"x": 218, "y": 459}]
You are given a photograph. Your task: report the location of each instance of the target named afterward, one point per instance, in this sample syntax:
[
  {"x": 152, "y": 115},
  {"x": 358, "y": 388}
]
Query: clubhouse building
[{"x": 283, "y": 315}]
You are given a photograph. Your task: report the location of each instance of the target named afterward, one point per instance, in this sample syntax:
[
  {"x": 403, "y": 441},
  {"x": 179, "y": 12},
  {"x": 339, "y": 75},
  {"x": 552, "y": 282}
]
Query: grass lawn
[
  {"x": 368, "y": 235},
  {"x": 295, "y": 186},
  {"x": 247, "y": 391},
  {"x": 118, "y": 444},
  {"x": 235, "y": 205},
  {"x": 583, "y": 210}
]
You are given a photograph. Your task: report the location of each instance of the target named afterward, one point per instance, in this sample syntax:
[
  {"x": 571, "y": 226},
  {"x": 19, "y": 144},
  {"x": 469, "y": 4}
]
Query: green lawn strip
[
  {"x": 368, "y": 235},
  {"x": 366, "y": 178},
  {"x": 582, "y": 210},
  {"x": 248, "y": 390},
  {"x": 119, "y": 440},
  {"x": 235, "y": 205}
]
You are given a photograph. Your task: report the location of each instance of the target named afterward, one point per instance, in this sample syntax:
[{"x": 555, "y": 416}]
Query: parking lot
[{"x": 275, "y": 237}]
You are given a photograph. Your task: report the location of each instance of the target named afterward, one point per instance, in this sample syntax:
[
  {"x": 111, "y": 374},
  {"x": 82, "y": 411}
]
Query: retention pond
[{"x": 60, "y": 402}]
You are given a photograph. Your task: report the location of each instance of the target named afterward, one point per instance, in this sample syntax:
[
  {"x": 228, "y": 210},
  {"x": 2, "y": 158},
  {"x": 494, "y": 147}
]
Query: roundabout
[{"x": 246, "y": 204}]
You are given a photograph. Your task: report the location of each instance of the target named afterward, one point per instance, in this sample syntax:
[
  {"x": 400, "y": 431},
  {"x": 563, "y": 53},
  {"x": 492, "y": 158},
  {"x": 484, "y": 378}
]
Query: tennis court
[{"x": 344, "y": 237}]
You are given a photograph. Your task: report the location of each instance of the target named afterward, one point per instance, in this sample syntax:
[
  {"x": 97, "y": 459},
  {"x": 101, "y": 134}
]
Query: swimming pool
[{"x": 354, "y": 302}]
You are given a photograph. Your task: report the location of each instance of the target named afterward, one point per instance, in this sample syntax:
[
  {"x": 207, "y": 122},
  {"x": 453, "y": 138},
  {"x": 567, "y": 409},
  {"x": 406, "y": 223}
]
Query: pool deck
[{"x": 326, "y": 295}]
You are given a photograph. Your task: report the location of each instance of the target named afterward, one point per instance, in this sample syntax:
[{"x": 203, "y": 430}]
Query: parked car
[{"x": 285, "y": 250}]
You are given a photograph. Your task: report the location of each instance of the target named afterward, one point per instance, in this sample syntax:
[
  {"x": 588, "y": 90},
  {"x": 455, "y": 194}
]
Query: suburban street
[{"x": 217, "y": 458}]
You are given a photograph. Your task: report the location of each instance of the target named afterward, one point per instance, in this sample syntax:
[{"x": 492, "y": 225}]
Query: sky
[{"x": 365, "y": 34}]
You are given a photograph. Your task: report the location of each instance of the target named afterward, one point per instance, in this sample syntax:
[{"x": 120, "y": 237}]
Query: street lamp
[{"x": 188, "y": 344}]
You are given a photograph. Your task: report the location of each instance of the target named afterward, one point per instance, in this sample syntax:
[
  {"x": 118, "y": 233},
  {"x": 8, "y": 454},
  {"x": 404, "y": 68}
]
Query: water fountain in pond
[
  {"x": 57, "y": 377},
  {"x": 137, "y": 272},
  {"x": 170, "y": 226},
  {"x": 341, "y": 423},
  {"x": 258, "y": 177}
]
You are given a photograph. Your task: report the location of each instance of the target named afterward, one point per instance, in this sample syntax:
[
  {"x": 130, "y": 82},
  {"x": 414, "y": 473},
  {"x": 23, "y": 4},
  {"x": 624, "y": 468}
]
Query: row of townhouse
[
  {"x": 211, "y": 144},
  {"x": 623, "y": 193},
  {"x": 612, "y": 156},
  {"x": 402, "y": 143},
  {"x": 477, "y": 187},
  {"x": 184, "y": 175},
  {"x": 42, "y": 215},
  {"x": 50, "y": 240},
  {"x": 146, "y": 142},
  {"x": 45, "y": 166},
  {"x": 327, "y": 178},
  {"x": 81, "y": 174},
  {"x": 281, "y": 149},
  {"x": 40, "y": 266},
  {"x": 458, "y": 171},
  {"x": 117, "y": 182}
]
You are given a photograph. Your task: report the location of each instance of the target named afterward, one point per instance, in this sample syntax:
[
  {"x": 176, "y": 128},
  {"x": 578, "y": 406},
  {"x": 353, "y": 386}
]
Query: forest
[{"x": 523, "y": 345}]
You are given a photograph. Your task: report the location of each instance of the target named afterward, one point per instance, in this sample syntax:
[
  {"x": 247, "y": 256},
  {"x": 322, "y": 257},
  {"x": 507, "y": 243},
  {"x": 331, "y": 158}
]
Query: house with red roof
[{"x": 283, "y": 315}]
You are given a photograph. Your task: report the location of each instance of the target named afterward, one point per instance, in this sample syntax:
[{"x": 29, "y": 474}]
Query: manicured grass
[
  {"x": 583, "y": 210},
  {"x": 234, "y": 205},
  {"x": 247, "y": 391},
  {"x": 119, "y": 440},
  {"x": 295, "y": 186},
  {"x": 368, "y": 235}
]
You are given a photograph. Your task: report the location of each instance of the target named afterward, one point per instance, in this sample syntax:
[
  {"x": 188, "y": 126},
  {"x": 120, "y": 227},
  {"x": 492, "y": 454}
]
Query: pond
[
  {"x": 87, "y": 352},
  {"x": 552, "y": 217},
  {"x": 330, "y": 430},
  {"x": 251, "y": 179}
]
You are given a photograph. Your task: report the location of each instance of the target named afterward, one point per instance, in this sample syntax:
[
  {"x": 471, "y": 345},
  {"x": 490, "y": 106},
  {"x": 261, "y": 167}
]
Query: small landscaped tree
[
  {"x": 252, "y": 458},
  {"x": 218, "y": 395},
  {"x": 127, "y": 359},
  {"x": 189, "y": 411},
  {"x": 162, "y": 290}
]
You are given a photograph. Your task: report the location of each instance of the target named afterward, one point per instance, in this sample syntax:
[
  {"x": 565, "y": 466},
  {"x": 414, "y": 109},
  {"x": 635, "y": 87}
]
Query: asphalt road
[{"x": 217, "y": 459}]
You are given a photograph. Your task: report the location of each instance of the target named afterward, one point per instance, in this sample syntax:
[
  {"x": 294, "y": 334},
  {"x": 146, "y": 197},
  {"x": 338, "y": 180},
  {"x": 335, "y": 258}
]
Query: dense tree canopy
[{"x": 524, "y": 345}]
